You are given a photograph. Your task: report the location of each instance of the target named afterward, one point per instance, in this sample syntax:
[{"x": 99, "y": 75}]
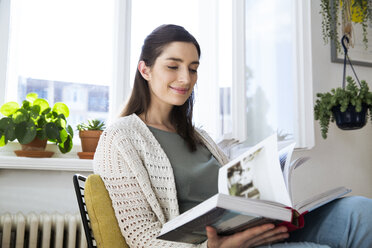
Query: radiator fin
[{"x": 45, "y": 230}]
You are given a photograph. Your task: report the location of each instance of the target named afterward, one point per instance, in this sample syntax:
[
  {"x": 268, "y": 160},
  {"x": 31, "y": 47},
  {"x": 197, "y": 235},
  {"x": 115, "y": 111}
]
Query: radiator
[{"x": 41, "y": 230}]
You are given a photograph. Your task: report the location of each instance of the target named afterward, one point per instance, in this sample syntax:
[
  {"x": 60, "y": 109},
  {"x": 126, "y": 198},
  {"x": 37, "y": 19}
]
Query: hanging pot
[{"x": 350, "y": 119}]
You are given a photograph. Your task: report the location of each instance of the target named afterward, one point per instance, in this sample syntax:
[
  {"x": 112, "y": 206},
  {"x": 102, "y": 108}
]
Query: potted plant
[
  {"x": 352, "y": 12},
  {"x": 35, "y": 123},
  {"x": 89, "y": 134},
  {"x": 350, "y": 107}
]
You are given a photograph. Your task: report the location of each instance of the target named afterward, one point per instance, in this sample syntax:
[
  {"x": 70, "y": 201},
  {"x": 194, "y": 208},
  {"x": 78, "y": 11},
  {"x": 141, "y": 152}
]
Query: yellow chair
[{"x": 101, "y": 215}]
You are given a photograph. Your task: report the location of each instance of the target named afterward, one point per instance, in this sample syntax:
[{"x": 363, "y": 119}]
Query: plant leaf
[
  {"x": 8, "y": 128},
  {"x": 46, "y": 111},
  {"x": 66, "y": 146},
  {"x": 26, "y": 105},
  {"x": 41, "y": 134},
  {"x": 60, "y": 122},
  {"x": 25, "y": 132},
  {"x": 9, "y": 108},
  {"x": 61, "y": 108},
  {"x": 20, "y": 115},
  {"x": 63, "y": 135},
  {"x": 42, "y": 103},
  {"x": 70, "y": 131},
  {"x": 3, "y": 141},
  {"x": 51, "y": 130},
  {"x": 35, "y": 110},
  {"x": 31, "y": 97}
]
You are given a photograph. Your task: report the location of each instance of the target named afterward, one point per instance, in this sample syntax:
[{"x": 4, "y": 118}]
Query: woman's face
[{"x": 173, "y": 76}]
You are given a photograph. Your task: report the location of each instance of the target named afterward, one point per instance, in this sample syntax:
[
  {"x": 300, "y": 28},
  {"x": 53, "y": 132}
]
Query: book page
[
  {"x": 256, "y": 174},
  {"x": 292, "y": 166},
  {"x": 321, "y": 199},
  {"x": 285, "y": 156}
]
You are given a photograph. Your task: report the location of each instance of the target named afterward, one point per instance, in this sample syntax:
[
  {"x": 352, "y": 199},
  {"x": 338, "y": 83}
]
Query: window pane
[
  {"x": 62, "y": 50},
  {"x": 270, "y": 69},
  {"x": 224, "y": 29},
  {"x": 210, "y": 22}
]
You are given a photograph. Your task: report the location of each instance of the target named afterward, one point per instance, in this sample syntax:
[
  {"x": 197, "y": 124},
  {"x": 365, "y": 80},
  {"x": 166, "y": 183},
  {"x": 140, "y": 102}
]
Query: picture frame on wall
[{"x": 358, "y": 54}]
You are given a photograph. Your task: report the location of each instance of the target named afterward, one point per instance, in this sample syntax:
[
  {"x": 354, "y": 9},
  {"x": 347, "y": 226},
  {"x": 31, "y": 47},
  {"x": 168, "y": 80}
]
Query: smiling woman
[{"x": 162, "y": 94}]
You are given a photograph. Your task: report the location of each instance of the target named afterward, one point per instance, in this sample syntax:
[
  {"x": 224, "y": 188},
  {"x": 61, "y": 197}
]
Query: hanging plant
[{"x": 350, "y": 100}]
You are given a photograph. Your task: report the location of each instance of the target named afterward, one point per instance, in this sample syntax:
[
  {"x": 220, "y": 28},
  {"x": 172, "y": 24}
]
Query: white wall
[
  {"x": 345, "y": 157},
  {"x": 37, "y": 191}
]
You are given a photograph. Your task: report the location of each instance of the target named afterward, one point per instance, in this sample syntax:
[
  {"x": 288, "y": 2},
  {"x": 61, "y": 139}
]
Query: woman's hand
[{"x": 260, "y": 235}]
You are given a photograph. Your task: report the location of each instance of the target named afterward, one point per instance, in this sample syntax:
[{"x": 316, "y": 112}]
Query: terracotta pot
[
  {"x": 89, "y": 140},
  {"x": 35, "y": 145}
]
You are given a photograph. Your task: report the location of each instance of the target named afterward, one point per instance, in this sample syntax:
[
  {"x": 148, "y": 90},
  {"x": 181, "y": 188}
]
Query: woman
[{"x": 154, "y": 163}]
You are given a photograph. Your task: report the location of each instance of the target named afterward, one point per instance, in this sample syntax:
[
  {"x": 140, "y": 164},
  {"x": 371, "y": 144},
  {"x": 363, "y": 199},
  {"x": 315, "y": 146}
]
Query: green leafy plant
[
  {"x": 351, "y": 95},
  {"x": 352, "y": 11},
  {"x": 35, "y": 118},
  {"x": 91, "y": 125}
]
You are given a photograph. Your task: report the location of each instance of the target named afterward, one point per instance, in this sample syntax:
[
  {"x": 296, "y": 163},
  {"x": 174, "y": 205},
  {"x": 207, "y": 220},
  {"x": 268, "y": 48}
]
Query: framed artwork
[{"x": 359, "y": 54}]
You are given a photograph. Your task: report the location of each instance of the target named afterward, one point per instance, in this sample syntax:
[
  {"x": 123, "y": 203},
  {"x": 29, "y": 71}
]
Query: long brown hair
[{"x": 139, "y": 101}]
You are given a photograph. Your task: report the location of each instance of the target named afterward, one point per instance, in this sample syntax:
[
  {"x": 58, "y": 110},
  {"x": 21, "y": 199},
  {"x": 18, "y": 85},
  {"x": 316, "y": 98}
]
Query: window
[
  {"x": 210, "y": 22},
  {"x": 257, "y": 53},
  {"x": 62, "y": 50},
  {"x": 270, "y": 66},
  {"x": 273, "y": 59}
]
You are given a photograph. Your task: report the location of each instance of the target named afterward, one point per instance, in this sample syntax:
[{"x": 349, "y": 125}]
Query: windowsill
[
  {"x": 58, "y": 164},
  {"x": 59, "y": 161}
]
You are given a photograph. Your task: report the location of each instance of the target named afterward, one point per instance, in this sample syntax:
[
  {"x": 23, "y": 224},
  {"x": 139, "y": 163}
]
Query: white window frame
[
  {"x": 303, "y": 92},
  {"x": 4, "y": 44},
  {"x": 121, "y": 86}
]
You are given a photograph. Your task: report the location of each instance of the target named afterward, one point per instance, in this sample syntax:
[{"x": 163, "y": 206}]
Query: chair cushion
[{"x": 101, "y": 214}]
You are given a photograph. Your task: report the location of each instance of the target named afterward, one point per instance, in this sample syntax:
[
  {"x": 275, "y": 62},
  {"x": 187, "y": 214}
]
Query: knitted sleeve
[{"x": 115, "y": 158}]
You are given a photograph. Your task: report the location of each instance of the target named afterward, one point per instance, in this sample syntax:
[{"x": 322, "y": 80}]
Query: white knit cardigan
[{"x": 140, "y": 180}]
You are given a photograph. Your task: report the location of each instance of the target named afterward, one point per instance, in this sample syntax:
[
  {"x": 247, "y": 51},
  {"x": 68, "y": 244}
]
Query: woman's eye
[
  {"x": 193, "y": 70},
  {"x": 173, "y": 67}
]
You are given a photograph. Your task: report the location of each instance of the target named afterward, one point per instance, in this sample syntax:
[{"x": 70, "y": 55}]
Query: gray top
[{"x": 196, "y": 173}]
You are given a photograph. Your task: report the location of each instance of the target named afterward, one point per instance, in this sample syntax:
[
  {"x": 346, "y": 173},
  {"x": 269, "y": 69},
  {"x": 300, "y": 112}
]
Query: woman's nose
[{"x": 184, "y": 76}]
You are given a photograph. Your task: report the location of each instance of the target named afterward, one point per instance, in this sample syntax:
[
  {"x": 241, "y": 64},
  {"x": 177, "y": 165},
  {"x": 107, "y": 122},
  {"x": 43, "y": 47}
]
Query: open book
[{"x": 254, "y": 188}]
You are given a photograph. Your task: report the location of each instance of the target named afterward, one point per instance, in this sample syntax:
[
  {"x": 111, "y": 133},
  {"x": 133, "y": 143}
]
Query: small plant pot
[
  {"x": 350, "y": 119},
  {"x": 89, "y": 140}
]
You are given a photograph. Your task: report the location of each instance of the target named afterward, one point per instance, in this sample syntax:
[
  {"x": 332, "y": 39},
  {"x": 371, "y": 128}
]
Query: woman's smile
[{"x": 179, "y": 90}]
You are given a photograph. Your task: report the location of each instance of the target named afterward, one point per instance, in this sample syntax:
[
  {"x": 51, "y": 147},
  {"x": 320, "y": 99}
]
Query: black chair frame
[{"x": 79, "y": 184}]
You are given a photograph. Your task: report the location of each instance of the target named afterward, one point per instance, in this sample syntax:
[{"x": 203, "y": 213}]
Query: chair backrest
[
  {"x": 101, "y": 226},
  {"x": 79, "y": 184}
]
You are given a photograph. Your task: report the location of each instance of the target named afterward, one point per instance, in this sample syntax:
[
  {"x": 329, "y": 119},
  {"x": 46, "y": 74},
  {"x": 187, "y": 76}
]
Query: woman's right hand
[{"x": 259, "y": 235}]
